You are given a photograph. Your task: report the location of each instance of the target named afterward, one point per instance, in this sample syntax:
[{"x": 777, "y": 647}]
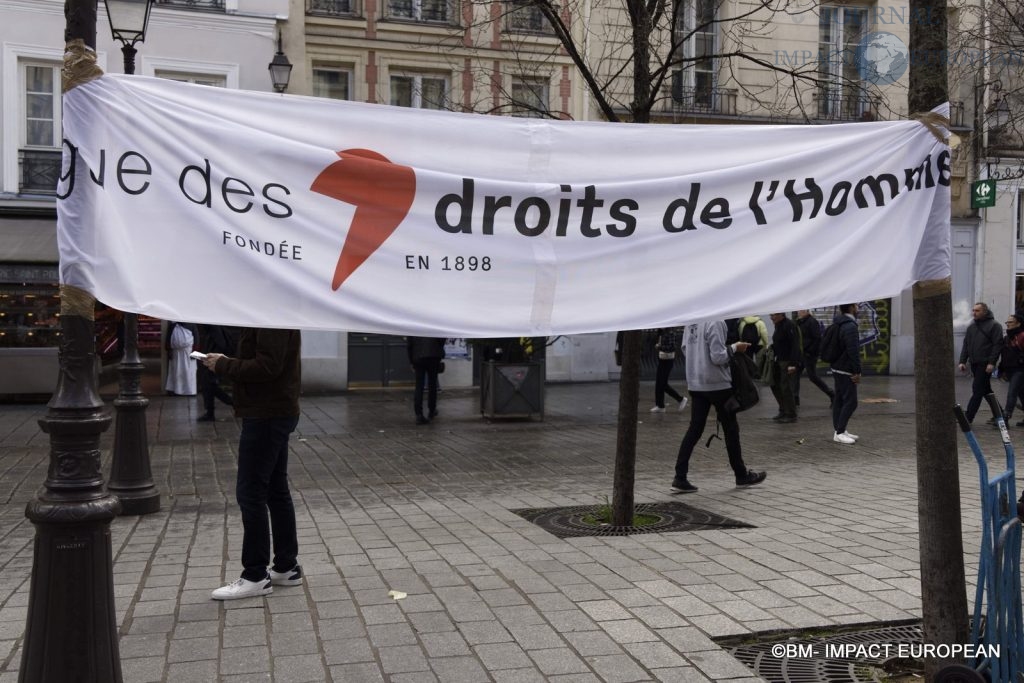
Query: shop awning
[{"x": 28, "y": 240}]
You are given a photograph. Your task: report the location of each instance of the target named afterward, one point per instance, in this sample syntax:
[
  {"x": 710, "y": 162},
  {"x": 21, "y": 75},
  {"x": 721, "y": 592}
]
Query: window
[
  {"x": 694, "y": 86},
  {"x": 523, "y": 15},
  {"x": 438, "y": 11},
  {"x": 419, "y": 91},
  {"x": 331, "y": 82},
  {"x": 529, "y": 98},
  {"x": 840, "y": 31},
  {"x": 1020, "y": 217},
  {"x": 215, "y": 80},
  {"x": 330, "y": 7},
  {"x": 39, "y": 148}
]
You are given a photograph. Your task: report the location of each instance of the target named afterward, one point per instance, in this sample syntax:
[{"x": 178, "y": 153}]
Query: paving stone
[
  {"x": 502, "y": 656},
  {"x": 382, "y": 504}
]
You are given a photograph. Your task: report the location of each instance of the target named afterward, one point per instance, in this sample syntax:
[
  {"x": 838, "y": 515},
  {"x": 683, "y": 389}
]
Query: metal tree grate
[
  {"x": 569, "y": 522},
  {"x": 774, "y": 667}
]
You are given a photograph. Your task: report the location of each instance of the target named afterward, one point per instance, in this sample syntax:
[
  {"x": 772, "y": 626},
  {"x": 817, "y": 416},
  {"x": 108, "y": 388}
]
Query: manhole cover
[
  {"x": 569, "y": 521},
  {"x": 847, "y": 656}
]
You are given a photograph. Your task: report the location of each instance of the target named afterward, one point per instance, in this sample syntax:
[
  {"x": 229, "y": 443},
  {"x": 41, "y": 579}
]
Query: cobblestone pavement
[{"x": 384, "y": 504}]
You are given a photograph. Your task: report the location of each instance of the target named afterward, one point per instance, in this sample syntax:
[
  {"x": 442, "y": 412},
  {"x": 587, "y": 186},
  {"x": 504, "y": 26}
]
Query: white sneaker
[
  {"x": 682, "y": 403},
  {"x": 657, "y": 409},
  {"x": 843, "y": 438},
  {"x": 243, "y": 588},
  {"x": 292, "y": 577},
  {"x": 852, "y": 436}
]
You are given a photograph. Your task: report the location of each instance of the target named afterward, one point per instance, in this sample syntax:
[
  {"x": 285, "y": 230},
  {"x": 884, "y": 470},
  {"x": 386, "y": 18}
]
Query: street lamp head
[
  {"x": 128, "y": 20},
  {"x": 280, "y": 68}
]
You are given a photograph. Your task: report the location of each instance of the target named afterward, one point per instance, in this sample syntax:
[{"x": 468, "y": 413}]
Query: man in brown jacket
[{"x": 266, "y": 376}]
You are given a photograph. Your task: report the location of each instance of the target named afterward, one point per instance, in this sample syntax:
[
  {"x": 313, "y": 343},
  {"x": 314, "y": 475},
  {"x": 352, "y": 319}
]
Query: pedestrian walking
[
  {"x": 810, "y": 335},
  {"x": 668, "y": 342},
  {"x": 983, "y": 341},
  {"x": 846, "y": 372},
  {"x": 1011, "y": 364},
  {"x": 267, "y": 376},
  {"x": 789, "y": 356},
  {"x": 710, "y": 384},
  {"x": 425, "y": 356}
]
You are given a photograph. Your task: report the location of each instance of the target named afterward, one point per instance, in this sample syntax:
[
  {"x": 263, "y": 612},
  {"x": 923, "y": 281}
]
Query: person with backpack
[
  {"x": 668, "y": 342},
  {"x": 841, "y": 347},
  {"x": 1011, "y": 364},
  {"x": 754, "y": 333},
  {"x": 789, "y": 356},
  {"x": 710, "y": 383},
  {"x": 810, "y": 333},
  {"x": 983, "y": 342}
]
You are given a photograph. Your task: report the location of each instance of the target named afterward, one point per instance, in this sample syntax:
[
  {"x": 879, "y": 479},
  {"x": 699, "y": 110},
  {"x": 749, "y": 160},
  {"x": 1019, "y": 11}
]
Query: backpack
[
  {"x": 750, "y": 334},
  {"x": 744, "y": 390},
  {"x": 831, "y": 343}
]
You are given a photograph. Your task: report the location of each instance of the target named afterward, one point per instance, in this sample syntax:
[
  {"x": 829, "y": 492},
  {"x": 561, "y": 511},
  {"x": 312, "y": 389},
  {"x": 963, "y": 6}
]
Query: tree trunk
[
  {"x": 625, "y": 443},
  {"x": 943, "y": 588}
]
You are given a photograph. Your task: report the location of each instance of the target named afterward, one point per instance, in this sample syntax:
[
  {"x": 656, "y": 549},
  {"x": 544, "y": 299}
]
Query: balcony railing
[
  {"x": 40, "y": 171},
  {"x": 333, "y": 8},
  {"x": 206, "y": 5},
  {"x": 839, "y": 105},
  {"x": 699, "y": 100}
]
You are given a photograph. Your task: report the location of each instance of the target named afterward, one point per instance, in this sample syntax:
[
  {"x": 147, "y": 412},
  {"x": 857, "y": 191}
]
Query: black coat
[
  {"x": 849, "y": 341},
  {"x": 810, "y": 330},
  {"x": 424, "y": 348},
  {"x": 983, "y": 341},
  {"x": 1011, "y": 358},
  {"x": 786, "y": 342}
]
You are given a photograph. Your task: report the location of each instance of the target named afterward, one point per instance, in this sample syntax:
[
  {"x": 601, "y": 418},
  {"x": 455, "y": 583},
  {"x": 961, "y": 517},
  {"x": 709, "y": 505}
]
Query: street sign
[{"x": 983, "y": 194}]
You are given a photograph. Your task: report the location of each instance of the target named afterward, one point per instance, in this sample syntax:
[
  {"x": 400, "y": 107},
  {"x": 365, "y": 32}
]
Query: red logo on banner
[{"x": 382, "y": 193}]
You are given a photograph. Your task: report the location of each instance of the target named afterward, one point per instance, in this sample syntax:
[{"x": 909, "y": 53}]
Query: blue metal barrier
[{"x": 997, "y": 623}]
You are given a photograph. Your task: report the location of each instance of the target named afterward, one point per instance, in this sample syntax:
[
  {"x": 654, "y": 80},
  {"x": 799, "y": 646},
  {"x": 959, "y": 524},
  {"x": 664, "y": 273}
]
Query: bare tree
[{"x": 986, "y": 66}]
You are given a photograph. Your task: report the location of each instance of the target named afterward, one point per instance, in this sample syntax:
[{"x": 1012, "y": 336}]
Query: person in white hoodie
[{"x": 710, "y": 384}]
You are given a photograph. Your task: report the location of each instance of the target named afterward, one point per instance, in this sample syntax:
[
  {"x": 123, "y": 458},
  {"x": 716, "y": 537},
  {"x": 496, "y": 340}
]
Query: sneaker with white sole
[
  {"x": 852, "y": 436},
  {"x": 657, "y": 409},
  {"x": 243, "y": 588},
  {"x": 843, "y": 438},
  {"x": 292, "y": 577},
  {"x": 682, "y": 403}
]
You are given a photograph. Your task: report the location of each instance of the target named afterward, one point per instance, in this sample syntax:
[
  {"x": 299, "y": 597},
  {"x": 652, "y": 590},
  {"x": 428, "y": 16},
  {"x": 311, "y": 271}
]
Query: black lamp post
[
  {"x": 128, "y": 22},
  {"x": 280, "y": 68},
  {"x": 71, "y": 626},
  {"x": 131, "y": 478}
]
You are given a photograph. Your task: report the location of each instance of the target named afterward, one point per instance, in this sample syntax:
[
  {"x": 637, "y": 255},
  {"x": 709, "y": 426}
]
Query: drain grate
[
  {"x": 847, "y": 656},
  {"x": 569, "y": 522}
]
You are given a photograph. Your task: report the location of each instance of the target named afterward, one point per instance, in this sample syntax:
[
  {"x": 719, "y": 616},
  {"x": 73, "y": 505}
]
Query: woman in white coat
[{"x": 181, "y": 370}]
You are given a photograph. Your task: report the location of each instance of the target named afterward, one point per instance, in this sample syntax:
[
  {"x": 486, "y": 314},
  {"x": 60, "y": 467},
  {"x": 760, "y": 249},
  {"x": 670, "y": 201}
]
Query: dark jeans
[
  {"x": 811, "y": 366},
  {"x": 980, "y": 387},
  {"x": 700, "y": 408},
  {"x": 783, "y": 391},
  {"x": 845, "y": 401},
  {"x": 209, "y": 386},
  {"x": 1014, "y": 392},
  {"x": 426, "y": 377},
  {"x": 661, "y": 386},
  {"x": 262, "y": 486}
]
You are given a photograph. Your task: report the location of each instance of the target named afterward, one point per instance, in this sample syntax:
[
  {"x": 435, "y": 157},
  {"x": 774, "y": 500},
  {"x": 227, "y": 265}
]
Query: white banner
[{"x": 207, "y": 205}]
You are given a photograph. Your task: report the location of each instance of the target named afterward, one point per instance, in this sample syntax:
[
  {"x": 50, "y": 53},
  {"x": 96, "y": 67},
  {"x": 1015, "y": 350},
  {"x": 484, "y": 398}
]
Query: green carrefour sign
[{"x": 983, "y": 194}]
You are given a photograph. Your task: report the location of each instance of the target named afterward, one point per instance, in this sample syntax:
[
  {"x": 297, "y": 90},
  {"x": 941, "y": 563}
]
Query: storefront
[{"x": 29, "y": 306}]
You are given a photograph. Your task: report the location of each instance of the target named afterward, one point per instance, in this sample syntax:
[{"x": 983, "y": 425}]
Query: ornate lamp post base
[
  {"x": 131, "y": 479},
  {"x": 71, "y": 627}
]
